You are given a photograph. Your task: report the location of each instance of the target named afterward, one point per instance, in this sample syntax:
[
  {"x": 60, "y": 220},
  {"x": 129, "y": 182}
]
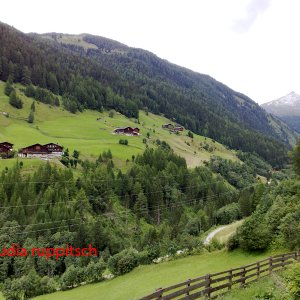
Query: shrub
[
  {"x": 72, "y": 277},
  {"x": 94, "y": 271},
  {"x": 123, "y": 142},
  {"x": 292, "y": 277},
  {"x": 228, "y": 213},
  {"x": 254, "y": 233},
  {"x": 144, "y": 258},
  {"x": 233, "y": 242},
  {"x": 123, "y": 262},
  {"x": 14, "y": 100},
  {"x": 48, "y": 285}
]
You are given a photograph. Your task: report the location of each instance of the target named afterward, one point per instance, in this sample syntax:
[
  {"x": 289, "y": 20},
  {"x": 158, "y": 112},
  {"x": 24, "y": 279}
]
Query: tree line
[{"x": 157, "y": 207}]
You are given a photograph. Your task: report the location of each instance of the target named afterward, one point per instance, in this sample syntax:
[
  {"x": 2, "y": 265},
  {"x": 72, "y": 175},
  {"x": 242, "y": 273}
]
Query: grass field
[
  {"x": 145, "y": 279},
  {"x": 271, "y": 287},
  {"x": 90, "y": 132}
]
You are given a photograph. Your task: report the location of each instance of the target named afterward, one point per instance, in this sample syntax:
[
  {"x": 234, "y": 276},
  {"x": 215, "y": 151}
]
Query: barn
[
  {"x": 6, "y": 150},
  {"x": 7, "y": 145},
  {"x": 127, "y": 131},
  {"x": 36, "y": 150},
  {"x": 54, "y": 149}
]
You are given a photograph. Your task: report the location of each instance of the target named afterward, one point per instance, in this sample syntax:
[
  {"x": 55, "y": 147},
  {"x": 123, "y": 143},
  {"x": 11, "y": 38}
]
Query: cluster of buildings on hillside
[
  {"x": 50, "y": 150},
  {"x": 136, "y": 131},
  {"x": 172, "y": 127},
  {"x": 127, "y": 131}
]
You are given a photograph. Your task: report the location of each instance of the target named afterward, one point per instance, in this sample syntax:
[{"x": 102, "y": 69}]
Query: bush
[
  {"x": 123, "y": 262},
  {"x": 233, "y": 242},
  {"x": 144, "y": 258},
  {"x": 111, "y": 114},
  {"x": 94, "y": 271},
  {"x": 254, "y": 233},
  {"x": 72, "y": 277},
  {"x": 48, "y": 285},
  {"x": 12, "y": 290},
  {"x": 14, "y": 100},
  {"x": 292, "y": 277},
  {"x": 228, "y": 213},
  {"x": 215, "y": 245},
  {"x": 123, "y": 142}
]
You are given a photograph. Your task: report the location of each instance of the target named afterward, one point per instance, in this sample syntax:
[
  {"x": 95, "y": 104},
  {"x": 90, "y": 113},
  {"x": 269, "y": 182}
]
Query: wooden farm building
[
  {"x": 178, "y": 128},
  {"x": 54, "y": 148},
  {"x": 127, "y": 131},
  {"x": 6, "y": 149},
  {"x": 7, "y": 144},
  {"x": 168, "y": 126},
  {"x": 171, "y": 127},
  {"x": 50, "y": 150}
]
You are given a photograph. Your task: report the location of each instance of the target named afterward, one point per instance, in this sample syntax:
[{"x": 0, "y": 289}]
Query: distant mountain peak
[
  {"x": 287, "y": 108},
  {"x": 291, "y": 99}
]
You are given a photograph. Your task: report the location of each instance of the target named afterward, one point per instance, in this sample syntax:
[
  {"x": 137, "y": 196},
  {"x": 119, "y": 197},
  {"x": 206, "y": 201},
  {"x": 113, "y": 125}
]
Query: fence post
[
  {"x": 270, "y": 264},
  {"x": 207, "y": 286},
  {"x": 243, "y": 272},
  {"x": 229, "y": 279},
  {"x": 188, "y": 285},
  {"x": 159, "y": 296},
  {"x": 282, "y": 260},
  {"x": 258, "y": 269}
]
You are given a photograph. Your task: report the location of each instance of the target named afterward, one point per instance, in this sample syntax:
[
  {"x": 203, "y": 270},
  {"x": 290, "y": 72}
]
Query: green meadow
[
  {"x": 144, "y": 279},
  {"x": 90, "y": 132}
]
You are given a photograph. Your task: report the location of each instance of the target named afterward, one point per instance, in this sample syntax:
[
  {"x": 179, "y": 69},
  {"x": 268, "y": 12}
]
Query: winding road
[{"x": 212, "y": 234}]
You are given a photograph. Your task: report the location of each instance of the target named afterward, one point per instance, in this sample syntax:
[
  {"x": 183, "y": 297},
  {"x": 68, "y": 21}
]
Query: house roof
[
  {"x": 2, "y": 143},
  {"x": 42, "y": 148},
  {"x": 127, "y": 127},
  {"x": 5, "y": 147},
  {"x": 53, "y": 144}
]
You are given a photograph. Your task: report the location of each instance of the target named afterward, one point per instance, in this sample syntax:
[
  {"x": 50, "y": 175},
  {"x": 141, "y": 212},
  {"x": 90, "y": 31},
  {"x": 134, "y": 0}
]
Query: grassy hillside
[
  {"x": 90, "y": 132},
  {"x": 128, "y": 79},
  {"x": 223, "y": 235},
  {"x": 145, "y": 279}
]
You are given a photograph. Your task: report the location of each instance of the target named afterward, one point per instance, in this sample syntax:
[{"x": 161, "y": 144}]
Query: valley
[{"x": 205, "y": 180}]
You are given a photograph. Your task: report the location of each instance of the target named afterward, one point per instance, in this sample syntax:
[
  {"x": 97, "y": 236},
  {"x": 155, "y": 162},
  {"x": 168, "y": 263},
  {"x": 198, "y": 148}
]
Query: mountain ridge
[
  {"x": 137, "y": 79},
  {"x": 287, "y": 108}
]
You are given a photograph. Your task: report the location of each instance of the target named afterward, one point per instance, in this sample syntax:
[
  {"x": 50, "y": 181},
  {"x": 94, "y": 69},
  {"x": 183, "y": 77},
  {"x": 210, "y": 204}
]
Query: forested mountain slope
[
  {"x": 287, "y": 108},
  {"x": 106, "y": 74}
]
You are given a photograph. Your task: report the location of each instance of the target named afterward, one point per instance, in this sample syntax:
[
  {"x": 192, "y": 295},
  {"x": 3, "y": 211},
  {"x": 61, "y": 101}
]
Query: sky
[{"x": 251, "y": 46}]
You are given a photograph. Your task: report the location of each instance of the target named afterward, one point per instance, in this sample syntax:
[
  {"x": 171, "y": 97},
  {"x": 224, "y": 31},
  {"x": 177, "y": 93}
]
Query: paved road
[{"x": 212, "y": 234}]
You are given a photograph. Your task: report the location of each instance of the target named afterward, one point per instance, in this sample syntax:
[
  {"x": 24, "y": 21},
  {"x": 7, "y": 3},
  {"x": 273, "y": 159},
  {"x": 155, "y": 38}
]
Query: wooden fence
[{"x": 212, "y": 285}]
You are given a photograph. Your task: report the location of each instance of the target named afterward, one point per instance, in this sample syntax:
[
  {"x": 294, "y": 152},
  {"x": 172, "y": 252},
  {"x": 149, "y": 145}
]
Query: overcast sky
[{"x": 252, "y": 46}]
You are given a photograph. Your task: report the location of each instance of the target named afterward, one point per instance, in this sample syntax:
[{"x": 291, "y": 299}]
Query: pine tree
[
  {"x": 31, "y": 117},
  {"x": 32, "y": 107},
  {"x": 14, "y": 100},
  {"x": 8, "y": 88}
]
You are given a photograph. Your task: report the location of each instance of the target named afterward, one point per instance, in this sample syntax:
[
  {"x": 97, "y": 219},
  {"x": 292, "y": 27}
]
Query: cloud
[{"x": 254, "y": 8}]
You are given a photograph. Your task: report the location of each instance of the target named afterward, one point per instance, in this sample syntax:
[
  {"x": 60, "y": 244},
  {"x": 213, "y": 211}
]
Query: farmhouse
[
  {"x": 127, "y": 131},
  {"x": 6, "y": 150},
  {"x": 50, "y": 150},
  {"x": 178, "y": 128},
  {"x": 168, "y": 126},
  {"x": 54, "y": 149},
  {"x": 36, "y": 150},
  {"x": 7, "y": 144}
]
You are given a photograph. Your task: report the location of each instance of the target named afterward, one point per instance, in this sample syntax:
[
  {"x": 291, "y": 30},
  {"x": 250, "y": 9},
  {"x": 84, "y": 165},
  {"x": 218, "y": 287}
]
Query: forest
[
  {"x": 157, "y": 207},
  {"x": 132, "y": 79}
]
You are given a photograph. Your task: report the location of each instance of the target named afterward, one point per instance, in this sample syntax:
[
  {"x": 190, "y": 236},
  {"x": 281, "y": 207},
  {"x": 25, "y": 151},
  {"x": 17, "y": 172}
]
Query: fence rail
[{"x": 212, "y": 285}]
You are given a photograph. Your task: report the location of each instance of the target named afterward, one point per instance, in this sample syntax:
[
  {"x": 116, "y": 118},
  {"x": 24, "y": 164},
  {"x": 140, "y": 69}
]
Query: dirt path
[{"x": 212, "y": 234}]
